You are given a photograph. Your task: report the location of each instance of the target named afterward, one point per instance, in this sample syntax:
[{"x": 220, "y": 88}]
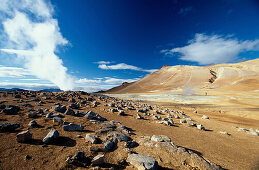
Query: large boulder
[
  {"x": 142, "y": 162},
  {"x": 51, "y": 136}
]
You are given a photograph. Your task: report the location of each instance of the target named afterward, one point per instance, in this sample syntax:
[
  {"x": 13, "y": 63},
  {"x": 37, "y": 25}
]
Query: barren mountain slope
[{"x": 239, "y": 76}]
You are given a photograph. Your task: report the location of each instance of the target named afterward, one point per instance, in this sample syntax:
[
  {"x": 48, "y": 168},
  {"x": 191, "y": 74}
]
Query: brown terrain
[{"x": 159, "y": 128}]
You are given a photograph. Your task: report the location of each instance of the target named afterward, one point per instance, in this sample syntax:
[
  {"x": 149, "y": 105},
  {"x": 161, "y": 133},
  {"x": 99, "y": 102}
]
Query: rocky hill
[{"x": 235, "y": 77}]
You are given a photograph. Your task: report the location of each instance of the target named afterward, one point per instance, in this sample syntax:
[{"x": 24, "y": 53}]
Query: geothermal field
[
  {"x": 129, "y": 84},
  {"x": 196, "y": 128}
]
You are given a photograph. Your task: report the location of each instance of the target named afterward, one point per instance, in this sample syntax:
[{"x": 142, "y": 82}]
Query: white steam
[{"x": 33, "y": 35}]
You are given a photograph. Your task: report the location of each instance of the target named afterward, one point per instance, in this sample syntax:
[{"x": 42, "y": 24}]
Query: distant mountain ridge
[{"x": 18, "y": 89}]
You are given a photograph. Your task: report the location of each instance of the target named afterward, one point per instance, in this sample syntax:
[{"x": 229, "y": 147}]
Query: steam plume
[{"x": 33, "y": 35}]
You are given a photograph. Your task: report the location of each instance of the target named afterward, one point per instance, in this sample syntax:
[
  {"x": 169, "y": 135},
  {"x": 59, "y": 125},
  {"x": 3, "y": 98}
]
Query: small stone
[
  {"x": 139, "y": 116},
  {"x": 58, "y": 119},
  {"x": 98, "y": 160},
  {"x": 224, "y": 133},
  {"x": 27, "y": 157},
  {"x": 33, "y": 124},
  {"x": 131, "y": 144},
  {"x": 183, "y": 121},
  {"x": 90, "y": 138},
  {"x": 205, "y": 117},
  {"x": 24, "y": 136},
  {"x": 200, "y": 127}
]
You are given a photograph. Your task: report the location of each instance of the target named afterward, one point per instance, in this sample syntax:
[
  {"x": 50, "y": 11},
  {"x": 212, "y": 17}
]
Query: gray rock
[
  {"x": 139, "y": 116},
  {"x": 98, "y": 160},
  {"x": 224, "y": 133},
  {"x": 69, "y": 112},
  {"x": 183, "y": 121},
  {"x": 24, "y": 136},
  {"x": 205, "y": 117},
  {"x": 90, "y": 138},
  {"x": 119, "y": 136},
  {"x": 110, "y": 144},
  {"x": 58, "y": 119},
  {"x": 11, "y": 110},
  {"x": 33, "y": 124},
  {"x": 131, "y": 144},
  {"x": 200, "y": 127},
  {"x": 121, "y": 113},
  {"x": 176, "y": 117},
  {"x": 32, "y": 115},
  {"x": 254, "y": 133},
  {"x": 160, "y": 138},
  {"x": 73, "y": 127},
  {"x": 51, "y": 136},
  {"x": 60, "y": 109},
  {"x": 9, "y": 127},
  {"x": 142, "y": 162}
]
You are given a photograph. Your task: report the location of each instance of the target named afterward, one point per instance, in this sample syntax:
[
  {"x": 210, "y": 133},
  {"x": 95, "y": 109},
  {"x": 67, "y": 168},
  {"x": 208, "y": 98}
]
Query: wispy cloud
[
  {"x": 103, "y": 62},
  {"x": 33, "y": 35},
  {"x": 214, "y": 49},
  {"x": 105, "y": 80},
  {"x": 119, "y": 81},
  {"x": 123, "y": 66},
  {"x": 184, "y": 11},
  {"x": 13, "y": 72}
]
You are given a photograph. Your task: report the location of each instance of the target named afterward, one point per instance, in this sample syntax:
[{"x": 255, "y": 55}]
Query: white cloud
[
  {"x": 119, "y": 81},
  {"x": 123, "y": 66},
  {"x": 29, "y": 79},
  {"x": 213, "y": 49},
  {"x": 34, "y": 36},
  {"x": 103, "y": 62},
  {"x": 89, "y": 81},
  {"x": 13, "y": 72}
]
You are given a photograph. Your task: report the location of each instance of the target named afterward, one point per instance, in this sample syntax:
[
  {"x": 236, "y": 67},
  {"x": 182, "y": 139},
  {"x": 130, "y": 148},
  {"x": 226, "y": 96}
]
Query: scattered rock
[
  {"x": 58, "y": 119},
  {"x": 131, "y": 144},
  {"x": 224, "y": 133},
  {"x": 11, "y": 110},
  {"x": 160, "y": 138},
  {"x": 98, "y": 160},
  {"x": 90, "y": 138},
  {"x": 33, "y": 124},
  {"x": 183, "y": 121},
  {"x": 200, "y": 127},
  {"x": 205, "y": 117},
  {"x": 73, "y": 127},
  {"x": 142, "y": 162},
  {"x": 9, "y": 127},
  {"x": 24, "y": 136},
  {"x": 51, "y": 136},
  {"x": 139, "y": 116},
  {"x": 61, "y": 109}
]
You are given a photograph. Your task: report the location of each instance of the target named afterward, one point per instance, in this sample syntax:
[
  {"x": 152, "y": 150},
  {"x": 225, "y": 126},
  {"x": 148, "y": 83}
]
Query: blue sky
[{"x": 131, "y": 37}]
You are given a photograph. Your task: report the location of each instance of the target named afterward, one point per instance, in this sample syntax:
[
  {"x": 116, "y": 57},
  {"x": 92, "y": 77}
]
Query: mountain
[{"x": 218, "y": 78}]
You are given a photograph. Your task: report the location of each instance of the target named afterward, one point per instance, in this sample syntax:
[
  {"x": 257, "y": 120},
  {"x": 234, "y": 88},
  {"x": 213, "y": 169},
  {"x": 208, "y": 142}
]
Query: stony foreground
[{"x": 68, "y": 130}]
